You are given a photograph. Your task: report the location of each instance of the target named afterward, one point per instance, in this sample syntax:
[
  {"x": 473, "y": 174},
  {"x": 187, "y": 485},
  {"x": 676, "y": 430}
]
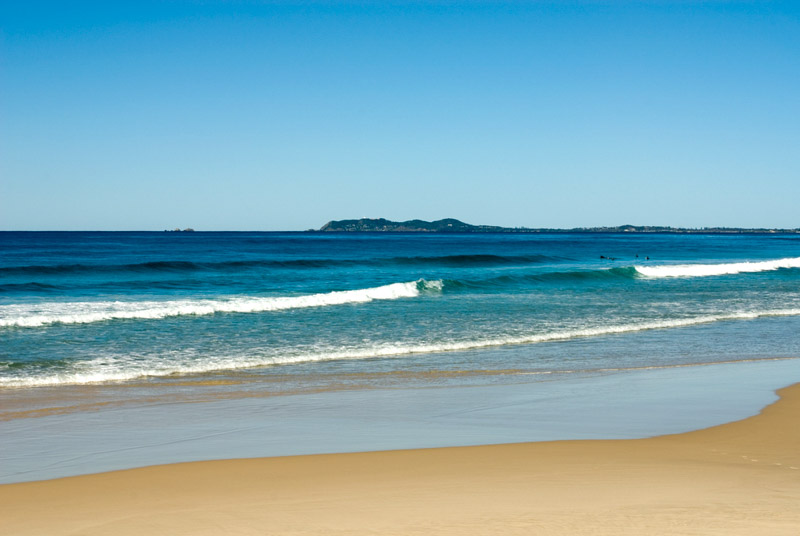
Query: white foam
[
  {"x": 704, "y": 270},
  {"x": 133, "y": 367},
  {"x": 39, "y": 314}
]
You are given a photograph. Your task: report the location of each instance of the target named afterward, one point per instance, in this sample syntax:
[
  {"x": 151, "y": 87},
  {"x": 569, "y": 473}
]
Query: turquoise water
[{"x": 93, "y": 308}]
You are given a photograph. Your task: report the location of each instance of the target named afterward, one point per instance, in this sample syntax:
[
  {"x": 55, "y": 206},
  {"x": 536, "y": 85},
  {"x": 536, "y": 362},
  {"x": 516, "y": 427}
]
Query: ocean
[
  {"x": 81, "y": 308},
  {"x": 122, "y": 349}
]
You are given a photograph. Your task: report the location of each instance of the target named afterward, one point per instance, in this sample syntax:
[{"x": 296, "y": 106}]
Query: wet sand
[{"x": 736, "y": 478}]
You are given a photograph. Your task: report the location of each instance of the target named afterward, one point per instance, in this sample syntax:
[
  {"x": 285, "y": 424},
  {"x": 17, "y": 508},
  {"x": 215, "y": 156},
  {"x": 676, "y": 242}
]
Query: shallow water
[{"x": 606, "y": 405}]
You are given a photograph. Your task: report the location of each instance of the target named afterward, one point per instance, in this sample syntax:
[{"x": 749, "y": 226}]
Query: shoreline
[
  {"x": 735, "y": 478},
  {"x": 623, "y": 405}
]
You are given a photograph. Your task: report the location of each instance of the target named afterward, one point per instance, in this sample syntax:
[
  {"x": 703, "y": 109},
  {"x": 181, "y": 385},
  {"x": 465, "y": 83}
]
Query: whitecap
[
  {"x": 122, "y": 368},
  {"x": 705, "y": 270},
  {"x": 39, "y": 314}
]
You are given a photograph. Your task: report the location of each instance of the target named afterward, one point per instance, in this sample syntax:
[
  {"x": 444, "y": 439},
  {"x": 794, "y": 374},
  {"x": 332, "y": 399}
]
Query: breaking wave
[
  {"x": 123, "y": 368},
  {"x": 33, "y": 315},
  {"x": 705, "y": 270}
]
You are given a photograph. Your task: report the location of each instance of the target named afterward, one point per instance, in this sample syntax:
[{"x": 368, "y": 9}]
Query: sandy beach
[{"x": 737, "y": 478}]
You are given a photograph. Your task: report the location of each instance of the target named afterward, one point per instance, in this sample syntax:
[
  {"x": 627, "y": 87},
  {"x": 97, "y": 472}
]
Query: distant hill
[
  {"x": 448, "y": 225},
  {"x": 451, "y": 225}
]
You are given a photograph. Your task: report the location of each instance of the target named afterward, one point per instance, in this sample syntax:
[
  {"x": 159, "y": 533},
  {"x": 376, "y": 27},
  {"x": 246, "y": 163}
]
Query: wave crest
[
  {"x": 105, "y": 370},
  {"x": 178, "y": 266},
  {"x": 705, "y": 270},
  {"x": 34, "y": 315}
]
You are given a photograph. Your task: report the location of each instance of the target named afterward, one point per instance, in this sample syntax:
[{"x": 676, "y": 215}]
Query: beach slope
[{"x": 737, "y": 478}]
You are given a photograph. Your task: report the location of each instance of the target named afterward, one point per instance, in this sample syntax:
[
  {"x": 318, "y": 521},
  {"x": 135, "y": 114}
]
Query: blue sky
[{"x": 246, "y": 115}]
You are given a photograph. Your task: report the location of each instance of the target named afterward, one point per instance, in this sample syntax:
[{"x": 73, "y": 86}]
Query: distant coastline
[{"x": 451, "y": 225}]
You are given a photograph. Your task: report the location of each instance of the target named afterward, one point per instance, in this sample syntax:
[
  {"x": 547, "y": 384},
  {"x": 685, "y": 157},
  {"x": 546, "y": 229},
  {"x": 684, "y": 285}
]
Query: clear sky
[{"x": 254, "y": 115}]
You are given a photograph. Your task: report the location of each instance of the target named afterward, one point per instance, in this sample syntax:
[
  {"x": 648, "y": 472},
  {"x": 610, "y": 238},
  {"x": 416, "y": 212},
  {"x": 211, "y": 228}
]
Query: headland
[{"x": 451, "y": 225}]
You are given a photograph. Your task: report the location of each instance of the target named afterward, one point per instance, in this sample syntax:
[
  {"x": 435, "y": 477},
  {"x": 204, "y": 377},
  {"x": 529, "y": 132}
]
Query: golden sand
[{"x": 737, "y": 478}]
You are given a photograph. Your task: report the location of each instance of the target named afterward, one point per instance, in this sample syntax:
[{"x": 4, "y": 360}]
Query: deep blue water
[{"x": 83, "y": 307}]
